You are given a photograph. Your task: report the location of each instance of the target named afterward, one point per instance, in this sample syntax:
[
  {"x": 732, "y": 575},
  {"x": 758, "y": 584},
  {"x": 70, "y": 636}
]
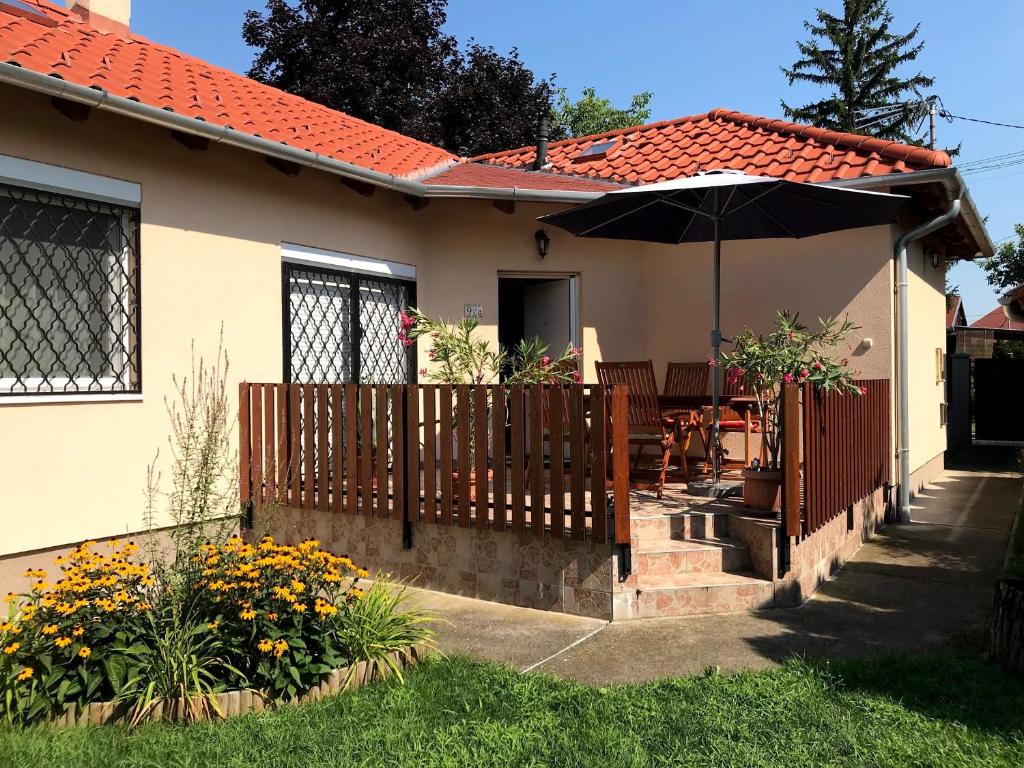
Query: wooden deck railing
[
  {"x": 549, "y": 461},
  {"x": 842, "y": 441}
]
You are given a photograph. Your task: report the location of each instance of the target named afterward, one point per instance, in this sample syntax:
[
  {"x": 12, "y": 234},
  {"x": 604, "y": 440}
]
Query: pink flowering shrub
[{"x": 791, "y": 353}]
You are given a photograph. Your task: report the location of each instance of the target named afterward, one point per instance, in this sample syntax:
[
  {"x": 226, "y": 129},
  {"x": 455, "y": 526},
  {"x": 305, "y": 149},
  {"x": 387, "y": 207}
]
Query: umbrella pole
[{"x": 716, "y": 346}]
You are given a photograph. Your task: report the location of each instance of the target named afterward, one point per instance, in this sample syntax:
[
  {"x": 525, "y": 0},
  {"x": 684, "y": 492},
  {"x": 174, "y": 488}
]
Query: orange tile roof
[
  {"x": 997, "y": 320},
  {"x": 136, "y": 68},
  {"x": 480, "y": 175},
  {"x": 723, "y": 138}
]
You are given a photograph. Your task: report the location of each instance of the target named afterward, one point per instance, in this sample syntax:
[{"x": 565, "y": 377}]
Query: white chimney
[{"x": 106, "y": 15}]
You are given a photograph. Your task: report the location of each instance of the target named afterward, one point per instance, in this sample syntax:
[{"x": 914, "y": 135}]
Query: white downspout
[{"x": 903, "y": 373}]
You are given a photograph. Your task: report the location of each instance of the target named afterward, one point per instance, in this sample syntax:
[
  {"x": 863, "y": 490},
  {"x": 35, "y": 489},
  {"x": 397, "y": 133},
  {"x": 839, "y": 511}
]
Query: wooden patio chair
[
  {"x": 646, "y": 425},
  {"x": 688, "y": 380}
]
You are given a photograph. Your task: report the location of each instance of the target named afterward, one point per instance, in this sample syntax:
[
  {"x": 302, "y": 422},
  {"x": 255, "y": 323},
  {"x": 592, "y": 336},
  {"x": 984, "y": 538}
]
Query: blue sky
[{"x": 695, "y": 55}]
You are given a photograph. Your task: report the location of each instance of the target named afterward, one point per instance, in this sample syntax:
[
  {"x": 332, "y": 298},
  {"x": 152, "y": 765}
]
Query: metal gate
[{"x": 998, "y": 384}]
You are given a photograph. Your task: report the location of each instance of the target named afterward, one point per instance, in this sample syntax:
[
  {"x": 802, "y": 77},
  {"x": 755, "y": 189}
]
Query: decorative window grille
[
  {"x": 69, "y": 295},
  {"x": 342, "y": 327}
]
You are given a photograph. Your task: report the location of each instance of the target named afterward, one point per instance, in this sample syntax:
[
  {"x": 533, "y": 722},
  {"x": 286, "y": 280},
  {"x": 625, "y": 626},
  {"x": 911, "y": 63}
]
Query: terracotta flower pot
[{"x": 762, "y": 490}]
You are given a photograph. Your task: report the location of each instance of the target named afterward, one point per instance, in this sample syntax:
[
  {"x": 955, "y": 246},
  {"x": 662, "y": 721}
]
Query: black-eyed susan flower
[
  {"x": 12, "y": 648},
  {"x": 265, "y": 645},
  {"x": 62, "y": 642},
  {"x": 50, "y": 629},
  {"x": 85, "y": 651},
  {"x": 280, "y": 647},
  {"x": 25, "y": 674}
]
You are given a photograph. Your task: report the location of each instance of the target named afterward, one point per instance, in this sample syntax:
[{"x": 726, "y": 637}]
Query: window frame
[
  {"x": 356, "y": 279},
  {"x": 85, "y": 189}
]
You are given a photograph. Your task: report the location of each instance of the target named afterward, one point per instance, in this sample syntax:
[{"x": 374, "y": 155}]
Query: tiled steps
[
  {"x": 685, "y": 563},
  {"x": 691, "y": 594}
]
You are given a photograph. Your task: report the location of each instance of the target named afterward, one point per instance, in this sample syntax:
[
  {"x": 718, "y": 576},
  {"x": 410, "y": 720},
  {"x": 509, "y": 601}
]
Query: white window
[{"x": 69, "y": 290}]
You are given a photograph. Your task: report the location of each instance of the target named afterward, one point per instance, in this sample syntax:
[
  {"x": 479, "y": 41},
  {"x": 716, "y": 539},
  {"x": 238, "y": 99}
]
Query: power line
[{"x": 950, "y": 116}]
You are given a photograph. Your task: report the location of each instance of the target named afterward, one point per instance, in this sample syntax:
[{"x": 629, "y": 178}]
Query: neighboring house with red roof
[
  {"x": 149, "y": 199},
  {"x": 997, "y": 320},
  {"x": 956, "y": 317}
]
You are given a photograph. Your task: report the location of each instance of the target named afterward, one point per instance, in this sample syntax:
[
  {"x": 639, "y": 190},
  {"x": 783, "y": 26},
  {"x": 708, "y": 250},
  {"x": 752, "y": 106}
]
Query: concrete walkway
[{"x": 910, "y": 588}]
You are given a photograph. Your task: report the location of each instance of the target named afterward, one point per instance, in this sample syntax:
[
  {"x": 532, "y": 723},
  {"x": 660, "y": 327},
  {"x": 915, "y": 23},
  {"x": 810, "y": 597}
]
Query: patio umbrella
[{"x": 725, "y": 205}]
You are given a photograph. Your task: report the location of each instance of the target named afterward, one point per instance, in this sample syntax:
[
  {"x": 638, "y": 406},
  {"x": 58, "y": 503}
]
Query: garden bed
[{"x": 235, "y": 703}]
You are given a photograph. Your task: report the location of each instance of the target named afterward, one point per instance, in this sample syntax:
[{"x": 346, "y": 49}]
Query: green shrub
[{"x": 380, "y": 624}]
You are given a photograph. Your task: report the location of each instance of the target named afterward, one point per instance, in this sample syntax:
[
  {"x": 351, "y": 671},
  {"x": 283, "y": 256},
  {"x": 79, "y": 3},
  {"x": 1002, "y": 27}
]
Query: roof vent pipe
[{"x": 542, "y": 144}]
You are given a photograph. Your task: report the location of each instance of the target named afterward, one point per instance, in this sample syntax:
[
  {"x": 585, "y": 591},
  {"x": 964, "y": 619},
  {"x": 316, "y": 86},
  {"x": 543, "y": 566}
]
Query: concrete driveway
[{"x": 910, "y": 588}]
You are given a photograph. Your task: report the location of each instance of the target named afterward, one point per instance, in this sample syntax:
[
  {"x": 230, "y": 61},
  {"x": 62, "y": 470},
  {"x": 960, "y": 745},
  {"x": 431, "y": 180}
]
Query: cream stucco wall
[
  {"x": 927, "y": 330},
  {"x": 640, "y": 301},
  {"x": 212, "y": 224},
  {"x": 211, "y": 228}
]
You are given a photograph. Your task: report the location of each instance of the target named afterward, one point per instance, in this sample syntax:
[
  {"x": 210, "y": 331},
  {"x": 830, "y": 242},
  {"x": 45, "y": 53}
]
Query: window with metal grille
[
  {"x": 343, "y": 327},
  {"x": 69, "y": 295}
]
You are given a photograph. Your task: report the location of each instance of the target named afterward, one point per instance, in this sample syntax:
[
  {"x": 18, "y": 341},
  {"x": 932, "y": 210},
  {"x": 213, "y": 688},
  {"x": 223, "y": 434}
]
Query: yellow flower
[
  {"x": 12, "y": 648},
  {"x": 84, "y": 651},
  {"x": 62, "y": 642},
  {"x": 280, "y": 647},
  {"x": 272, "y": 616},
  {"x": 212, "y": 624},
  {"x": 357, "y": 593},
  {"x": 247, "y": 614},
  {"x": 265, "y": 645},
  {"x": 77, "y": 631},
  {"x": 299, "y": 607},
  {"x": 25, "y": 674},
  {"x": 11, "y": 597},
  {"x": 297, "y": 586},
  {"x": 50, "y": 629}
]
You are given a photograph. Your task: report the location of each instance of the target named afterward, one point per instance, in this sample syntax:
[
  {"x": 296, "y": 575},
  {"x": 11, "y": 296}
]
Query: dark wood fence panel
[
  {"x": 846, "y": 449},
  {"x": 543, "y": 459}
]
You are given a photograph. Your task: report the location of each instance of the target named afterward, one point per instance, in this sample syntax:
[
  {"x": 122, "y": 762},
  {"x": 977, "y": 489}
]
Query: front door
[{"x": 541, "y": 306}]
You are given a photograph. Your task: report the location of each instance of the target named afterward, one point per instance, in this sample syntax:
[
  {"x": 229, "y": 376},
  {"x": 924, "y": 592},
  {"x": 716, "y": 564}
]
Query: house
[
  {"x": 956, "y": 317},
  {"x": 149, "y": 200}
]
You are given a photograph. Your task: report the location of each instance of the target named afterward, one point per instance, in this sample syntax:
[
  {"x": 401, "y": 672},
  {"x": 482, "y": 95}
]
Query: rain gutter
[
  {"x": 903, "y": 373},
  {"x": 101, "y": 99},
  {"x": 951, "y": 179}
]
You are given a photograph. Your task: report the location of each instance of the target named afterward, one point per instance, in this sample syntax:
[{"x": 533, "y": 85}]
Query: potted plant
[
  {"x": 458, "y": 356},
  {"x": 761, "y": 365}
]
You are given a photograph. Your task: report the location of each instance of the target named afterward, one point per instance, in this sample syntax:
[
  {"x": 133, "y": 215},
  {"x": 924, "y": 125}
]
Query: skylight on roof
[
  {"x": 596, "y": 151},
  {"x": 26, "y": 11}
]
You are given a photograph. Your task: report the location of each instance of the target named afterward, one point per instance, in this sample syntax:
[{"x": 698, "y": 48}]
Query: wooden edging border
[{"x": 235, "y": 703}]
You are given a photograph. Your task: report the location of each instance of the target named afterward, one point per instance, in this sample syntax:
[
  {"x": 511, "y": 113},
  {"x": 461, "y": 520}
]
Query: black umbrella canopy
[{"x": 747, "y": 207}]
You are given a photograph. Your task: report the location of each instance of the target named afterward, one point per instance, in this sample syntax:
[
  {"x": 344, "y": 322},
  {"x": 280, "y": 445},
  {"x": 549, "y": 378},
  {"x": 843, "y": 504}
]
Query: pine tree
[{"x": 857, "y": 56}]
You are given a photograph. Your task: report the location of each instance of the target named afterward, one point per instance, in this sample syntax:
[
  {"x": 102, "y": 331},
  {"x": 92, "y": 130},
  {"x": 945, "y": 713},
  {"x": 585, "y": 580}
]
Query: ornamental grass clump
[{"x": 791, "y": 353}]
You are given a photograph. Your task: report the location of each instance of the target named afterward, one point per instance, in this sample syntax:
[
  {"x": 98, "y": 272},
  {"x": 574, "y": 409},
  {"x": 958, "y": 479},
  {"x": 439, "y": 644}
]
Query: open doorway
[{"x": 541, "y": 305}]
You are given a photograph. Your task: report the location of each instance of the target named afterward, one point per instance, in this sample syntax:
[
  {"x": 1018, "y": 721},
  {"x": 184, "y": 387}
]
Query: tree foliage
[
  {"x": 390, "y": 62},
  {"x": 856, "y": 56},
  {"x": 1006, "y": 269},
  {"x": 592, "y": 114}
]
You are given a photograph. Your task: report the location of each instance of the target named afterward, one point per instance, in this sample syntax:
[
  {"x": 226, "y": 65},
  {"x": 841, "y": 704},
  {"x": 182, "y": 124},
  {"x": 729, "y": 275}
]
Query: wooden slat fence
[
  {"x": 544, "y": 461},
  {"x": 845, "y": 444}
]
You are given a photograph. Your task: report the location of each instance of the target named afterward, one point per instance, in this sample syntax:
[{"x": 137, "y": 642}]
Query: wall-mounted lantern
[{"x": 543, "y": 243}]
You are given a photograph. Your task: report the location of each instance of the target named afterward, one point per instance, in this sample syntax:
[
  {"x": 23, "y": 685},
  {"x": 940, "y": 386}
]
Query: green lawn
[{"x": 940, "y": 709}]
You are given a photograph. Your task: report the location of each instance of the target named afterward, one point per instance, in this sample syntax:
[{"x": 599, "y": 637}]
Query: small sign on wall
[{"x": 473, "y": 311}]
